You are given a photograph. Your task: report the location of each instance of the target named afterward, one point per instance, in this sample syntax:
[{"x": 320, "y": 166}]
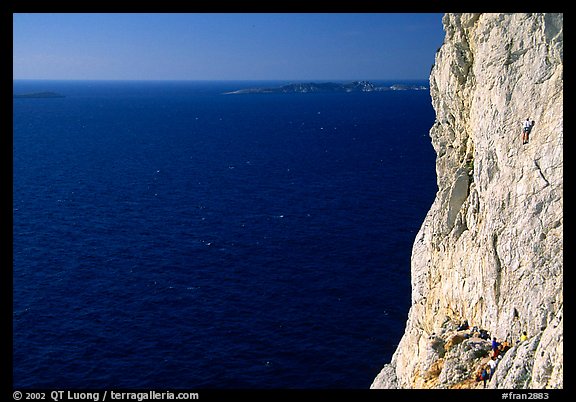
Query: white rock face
[{"x": 491, "y": 247}]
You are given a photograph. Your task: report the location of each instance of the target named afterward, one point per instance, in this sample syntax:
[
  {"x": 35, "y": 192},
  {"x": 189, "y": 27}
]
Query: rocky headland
[
  {"x": 490, "y": 250},
  {"x": 313, "y": 87},
  {"x": 34, "y": 95}
]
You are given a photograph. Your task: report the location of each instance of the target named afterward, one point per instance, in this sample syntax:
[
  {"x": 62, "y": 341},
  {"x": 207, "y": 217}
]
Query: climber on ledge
[
  {"x": 495, "y": 347},
  {"x": 484, "y": 376},
  {"x": 527, "y": 127},
  {"x": 492, "y": 364},
  {"x": 484, "y": 335},
  {"x": 464, "y": 326},
  {"x": 504, "y": 347}
]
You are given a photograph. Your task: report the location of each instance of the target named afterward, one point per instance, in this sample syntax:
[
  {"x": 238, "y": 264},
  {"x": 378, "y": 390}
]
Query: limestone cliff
[{"x": 491, "y": 247}]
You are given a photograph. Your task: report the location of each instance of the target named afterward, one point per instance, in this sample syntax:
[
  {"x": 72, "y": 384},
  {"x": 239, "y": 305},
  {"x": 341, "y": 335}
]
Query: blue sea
[{"x": 167, "y": 235}]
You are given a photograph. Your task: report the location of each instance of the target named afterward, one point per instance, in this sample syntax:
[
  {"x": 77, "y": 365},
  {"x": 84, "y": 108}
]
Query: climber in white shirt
[{"x": 527, "y": 127}]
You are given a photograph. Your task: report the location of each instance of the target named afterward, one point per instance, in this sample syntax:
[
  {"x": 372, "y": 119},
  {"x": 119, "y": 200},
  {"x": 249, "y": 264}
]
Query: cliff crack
[
  {"x": 541, "y": 174},
  {"x": 498, "y": 268},
  {"x": 458, "y": 194}
]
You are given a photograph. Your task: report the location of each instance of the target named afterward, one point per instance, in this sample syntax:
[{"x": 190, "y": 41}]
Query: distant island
[
  {"x": 354, "y": 86},
  {"x": 38, "y": 95}
]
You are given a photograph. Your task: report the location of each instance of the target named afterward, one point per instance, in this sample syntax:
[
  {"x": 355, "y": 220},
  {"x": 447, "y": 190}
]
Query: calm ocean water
[{"x": 166, "y": 235}]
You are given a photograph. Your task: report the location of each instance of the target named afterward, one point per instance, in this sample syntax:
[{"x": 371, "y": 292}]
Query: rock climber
[
  {"x": 504, "y": 346},
  {"x": 464, "y": 326},
  {"x": 527, "y": 127},
  {"x": 484, "y": 376},
  {"x": 495, "y": 347},
  {"x": 492, "y": 364}
]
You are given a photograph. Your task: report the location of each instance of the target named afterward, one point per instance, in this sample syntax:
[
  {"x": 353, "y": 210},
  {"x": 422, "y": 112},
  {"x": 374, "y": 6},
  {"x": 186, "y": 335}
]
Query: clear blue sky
[{"x": 237, "y": 46}]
